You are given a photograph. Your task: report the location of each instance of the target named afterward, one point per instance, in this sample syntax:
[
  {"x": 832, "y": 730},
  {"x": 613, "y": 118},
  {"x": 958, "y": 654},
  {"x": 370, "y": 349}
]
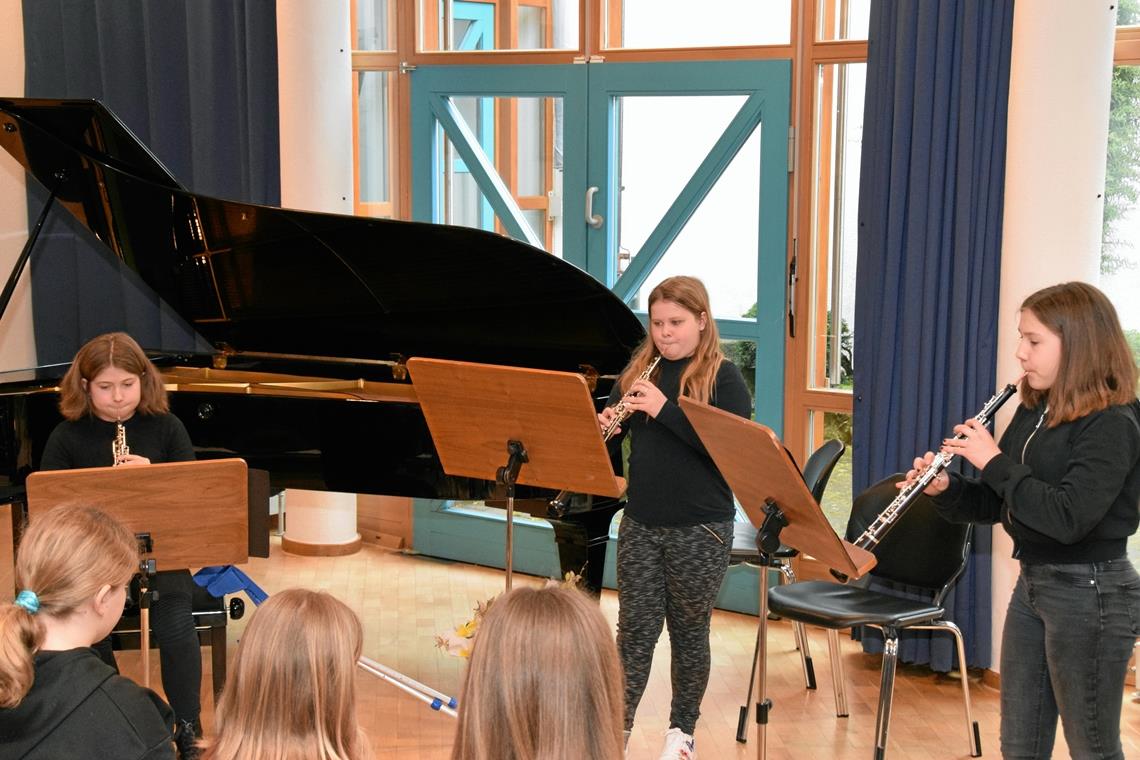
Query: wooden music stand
[
  {"x": 187, "y": 514},
  {"x": 483, "y": 415},
  {"x": 776, "y": 500}
]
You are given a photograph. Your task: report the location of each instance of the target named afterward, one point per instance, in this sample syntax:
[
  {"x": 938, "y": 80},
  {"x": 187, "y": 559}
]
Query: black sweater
[
  {"x": 86, "y": 442},
  {"x": 672, "y": 479},
  {"x": 1066, "y": 494},
  {"x": 78, "y": 708}
]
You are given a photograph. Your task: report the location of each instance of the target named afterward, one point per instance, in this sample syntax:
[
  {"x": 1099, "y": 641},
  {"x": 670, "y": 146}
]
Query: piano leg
[{"x": 581, "y": 538}]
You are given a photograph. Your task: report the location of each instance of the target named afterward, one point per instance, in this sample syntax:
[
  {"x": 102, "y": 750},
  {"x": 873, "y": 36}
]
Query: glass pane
[
  {"x": 843, "y": 19},
  {"x": 823, "y": 426},
  {"x": 374, "y": 101},
  {"x": 537, "y": 222},
  {"x": 1120, "y": 251},
  {"x": 522, "y": 128},
  {"x": 838, "y": 145},
  {"x": 683, "y": 23},
  {"x": 373, "y": 24},
  {"x": 532, "y": 27},
  {"x": 532, "y": 146},
  {"x": 1128, "y": 13},
  {"x": 742, "y": 353},
  {"x": 719, "y": 243},
  {"x": 464, "y": 25}
]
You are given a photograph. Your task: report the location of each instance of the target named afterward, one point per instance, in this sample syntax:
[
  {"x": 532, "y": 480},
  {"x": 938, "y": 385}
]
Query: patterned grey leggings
[{"x": 672, "y": 575}]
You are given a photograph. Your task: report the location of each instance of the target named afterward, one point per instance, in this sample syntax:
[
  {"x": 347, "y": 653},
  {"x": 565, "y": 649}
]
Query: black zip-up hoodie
[
  {"x": 1067, "y": 494},
  {"x": 79, "y": 708}
]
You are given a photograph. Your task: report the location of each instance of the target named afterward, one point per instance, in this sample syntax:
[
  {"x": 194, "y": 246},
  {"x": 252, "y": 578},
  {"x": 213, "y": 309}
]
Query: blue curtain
[
  {"x": 930, "y": 210},
  {"x": 196, "y": 81}
]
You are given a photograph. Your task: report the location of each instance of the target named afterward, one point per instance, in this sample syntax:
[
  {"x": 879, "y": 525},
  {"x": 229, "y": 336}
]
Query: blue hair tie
[{"x": 29, "y": 601}]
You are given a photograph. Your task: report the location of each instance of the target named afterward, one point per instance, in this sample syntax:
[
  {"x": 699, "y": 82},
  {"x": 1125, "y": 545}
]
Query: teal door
[{"x": 632, "y": 172}]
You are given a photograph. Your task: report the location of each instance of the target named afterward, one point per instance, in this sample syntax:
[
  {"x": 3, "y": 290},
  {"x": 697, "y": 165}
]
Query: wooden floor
[{"x": 405, "y": 600}]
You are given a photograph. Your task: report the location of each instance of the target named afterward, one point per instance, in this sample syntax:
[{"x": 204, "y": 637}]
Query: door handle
[{"x": 592, "y": 219}]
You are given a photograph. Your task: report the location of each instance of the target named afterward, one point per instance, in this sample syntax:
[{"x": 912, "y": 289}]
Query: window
[
  {"x": 448, "y": 25},
  {"x": 523, "y": 136},
  {"x": 1120, "y": 246},
  {"x": 682, "y": 23}
]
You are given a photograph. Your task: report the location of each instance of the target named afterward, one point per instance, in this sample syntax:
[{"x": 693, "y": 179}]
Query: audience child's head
[
  {"x": 291, "y": 691},
  {"x": 112, "y": 378},
  {"x": 72, "y": 570},
  {"x": 543, "y": 682}
]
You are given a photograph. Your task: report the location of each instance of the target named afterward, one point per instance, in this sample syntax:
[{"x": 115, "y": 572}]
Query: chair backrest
[
  {"x": 818, "y": 468},
  {"x": 922, "y": 549}
]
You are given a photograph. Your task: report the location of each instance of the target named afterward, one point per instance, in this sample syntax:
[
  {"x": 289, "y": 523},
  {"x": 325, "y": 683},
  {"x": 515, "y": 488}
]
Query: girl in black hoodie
[
  {"x": 1064, "y": 481},
  {"x": 57, "y": 698}
]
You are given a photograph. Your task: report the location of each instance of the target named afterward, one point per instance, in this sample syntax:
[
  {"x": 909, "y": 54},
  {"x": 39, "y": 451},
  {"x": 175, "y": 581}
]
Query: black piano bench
[{"x": 210, "y": 616}]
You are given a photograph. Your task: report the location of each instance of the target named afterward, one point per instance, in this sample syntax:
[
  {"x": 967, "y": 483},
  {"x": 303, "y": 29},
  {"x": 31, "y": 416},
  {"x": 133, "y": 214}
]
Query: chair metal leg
[
  {"x": 787, "y": 575},
  {"x": 972, "y": 731},
  {"x": 886, "y": 691},
  {"x": 838, "y": 676}
]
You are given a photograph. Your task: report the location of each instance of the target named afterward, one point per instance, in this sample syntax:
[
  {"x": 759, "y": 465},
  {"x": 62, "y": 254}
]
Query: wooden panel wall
[{"x": 385, "y": 520}]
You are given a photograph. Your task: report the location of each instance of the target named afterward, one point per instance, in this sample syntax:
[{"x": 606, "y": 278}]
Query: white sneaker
[{"x": 678, "y": 746}]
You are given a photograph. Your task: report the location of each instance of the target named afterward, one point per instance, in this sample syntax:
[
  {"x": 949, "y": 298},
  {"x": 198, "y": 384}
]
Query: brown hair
[
  {"x": 543, "y": 683},
  {"x": 291, "y": 694},
  {"x": 65, "y": 557},
  {"x": 1097, "y": 369},
  {"x": 117, "y": 350},
  {"x": 699, "y": 377}
]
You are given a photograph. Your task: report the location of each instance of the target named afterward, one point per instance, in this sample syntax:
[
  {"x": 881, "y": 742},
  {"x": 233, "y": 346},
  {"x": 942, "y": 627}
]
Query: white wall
[
  {"x": 1055, "y": 164},
  {"x": 17, "y": 341}
]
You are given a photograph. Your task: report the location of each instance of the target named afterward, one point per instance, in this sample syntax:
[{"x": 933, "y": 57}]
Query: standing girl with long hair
[
  {"x": 112, "y": 383},
  {"x": 1064, "y": 482},
  {"x": 543, "y": 683},
  {"x": 57, "y": 697},
  {"x": 675, "y": 537},
  {"x": 291, "y": 693}
]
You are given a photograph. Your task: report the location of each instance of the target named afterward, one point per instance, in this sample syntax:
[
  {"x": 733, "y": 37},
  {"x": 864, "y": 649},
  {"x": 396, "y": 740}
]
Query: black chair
[
  {"x": 922, "y": 550},
  {"x": 817, "y": 471},
  {"x": 210, "y": 616}
]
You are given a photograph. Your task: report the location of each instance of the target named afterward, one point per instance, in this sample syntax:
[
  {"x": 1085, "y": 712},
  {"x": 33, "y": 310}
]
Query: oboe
[
  {"x": 889, "y": 516},
  {"x": 621, "y": 413},
  {"x": 119, "y": 447}
]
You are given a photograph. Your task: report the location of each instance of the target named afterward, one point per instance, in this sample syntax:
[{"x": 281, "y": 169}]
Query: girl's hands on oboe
[
  {"x": 975, "y": 445},
  {"x": 644, "y": 396},
  {"x": 940, "y": 483}
]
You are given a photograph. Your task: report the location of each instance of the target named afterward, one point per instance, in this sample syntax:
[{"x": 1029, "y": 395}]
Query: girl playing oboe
[{"x": 676, "y": 534}]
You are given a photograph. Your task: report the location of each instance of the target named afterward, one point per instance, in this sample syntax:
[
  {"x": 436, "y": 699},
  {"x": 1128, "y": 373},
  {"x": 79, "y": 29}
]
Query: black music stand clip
[{"x": 508, "y": 474}]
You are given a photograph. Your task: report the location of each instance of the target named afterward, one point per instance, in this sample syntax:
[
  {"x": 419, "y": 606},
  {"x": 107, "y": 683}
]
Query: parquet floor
[{"x": 404, "y": 600}]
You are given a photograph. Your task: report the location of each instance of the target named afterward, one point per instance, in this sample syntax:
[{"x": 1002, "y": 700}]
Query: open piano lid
[{"x": 260, "y": 279}]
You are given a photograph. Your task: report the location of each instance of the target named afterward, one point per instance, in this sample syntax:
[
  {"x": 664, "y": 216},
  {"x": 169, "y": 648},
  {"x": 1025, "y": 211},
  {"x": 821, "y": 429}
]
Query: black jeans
[{"x": 1069, "y": 633}]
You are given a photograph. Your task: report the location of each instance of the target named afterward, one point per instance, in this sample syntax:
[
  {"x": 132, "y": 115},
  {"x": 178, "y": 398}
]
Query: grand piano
[{"x": 311, "y": 317}]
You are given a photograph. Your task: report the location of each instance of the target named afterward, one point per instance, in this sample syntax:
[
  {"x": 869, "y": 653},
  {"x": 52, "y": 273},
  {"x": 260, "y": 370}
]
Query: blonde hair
[
  {"x": 699, "y": 377},
  {"x": 291, "y": 692},
  {"x": 544, "y": 682},
  {"x": 65, "y": 557},
  {"x": 1097, "y": 369},
  {"x": 120, "y": 351}
]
